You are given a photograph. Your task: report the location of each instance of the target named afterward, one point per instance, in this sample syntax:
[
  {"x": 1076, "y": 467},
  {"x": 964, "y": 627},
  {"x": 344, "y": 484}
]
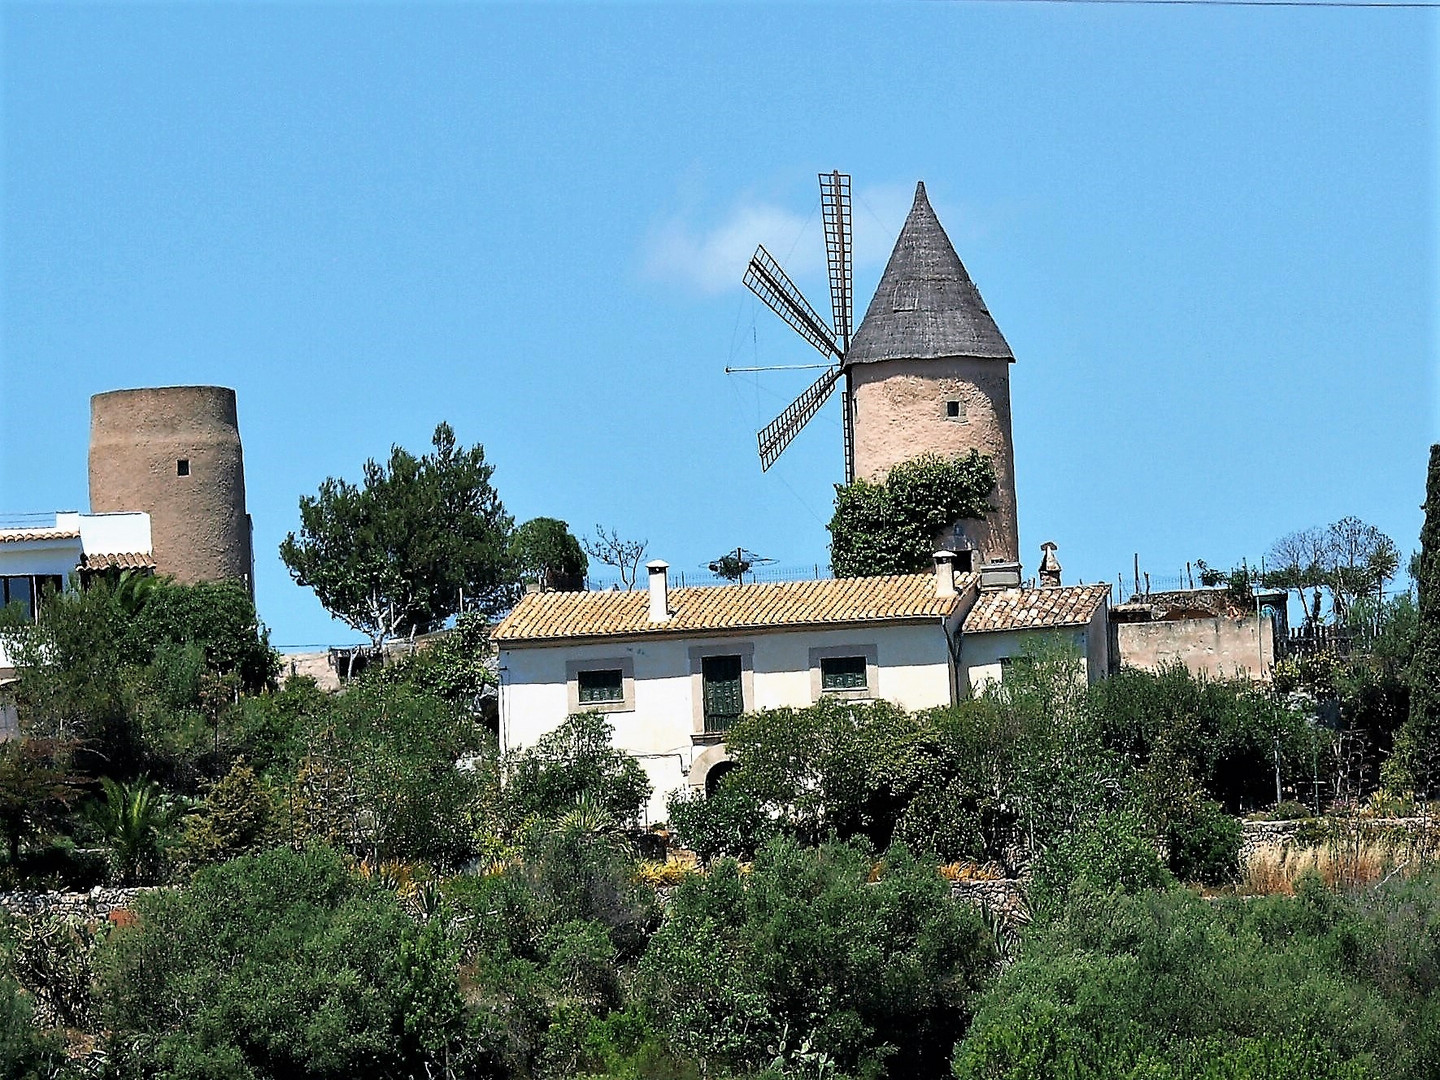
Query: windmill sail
[
  {"x": 835, "y": 202},
  {"x": 777, "y": 434},
  {"x": 770, "y": 283}
]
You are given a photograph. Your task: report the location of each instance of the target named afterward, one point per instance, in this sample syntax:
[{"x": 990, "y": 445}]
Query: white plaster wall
[
  {"x": 913, "y": 670},
  {"x": 980, "y": 654},
  {"x": 40, "y": 557},
  {"x": 110, "y": 534}
]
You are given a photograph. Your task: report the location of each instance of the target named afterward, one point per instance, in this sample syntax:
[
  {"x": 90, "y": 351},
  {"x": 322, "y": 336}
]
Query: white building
[
  {"x": 38, "y": 556},
  {"x": 674, "y": 668}
]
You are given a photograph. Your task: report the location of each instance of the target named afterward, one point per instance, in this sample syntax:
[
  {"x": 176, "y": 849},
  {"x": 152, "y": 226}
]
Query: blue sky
[{"x": 1208, "y": 234}]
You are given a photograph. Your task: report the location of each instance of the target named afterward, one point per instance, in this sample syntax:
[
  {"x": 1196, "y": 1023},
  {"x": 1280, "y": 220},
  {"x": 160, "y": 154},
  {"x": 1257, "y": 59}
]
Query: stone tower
[
  {"x": 930, "y": 372},
  {"x": 174, "y": 452}
]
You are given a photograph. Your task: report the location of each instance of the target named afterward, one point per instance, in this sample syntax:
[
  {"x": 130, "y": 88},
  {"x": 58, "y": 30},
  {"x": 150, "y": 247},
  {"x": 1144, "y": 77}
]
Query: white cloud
[{"x": 712, "y": 258}]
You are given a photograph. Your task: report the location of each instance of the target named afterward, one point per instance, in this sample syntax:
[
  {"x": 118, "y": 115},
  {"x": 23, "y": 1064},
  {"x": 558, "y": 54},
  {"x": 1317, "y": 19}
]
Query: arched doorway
[{"x": 717, "y": 772}]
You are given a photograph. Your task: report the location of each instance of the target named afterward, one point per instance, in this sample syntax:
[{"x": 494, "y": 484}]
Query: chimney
[
  {"x": 999, "y": 575},
  {"x": 944, "y": 574},
  {"x": 659, "y": 590},
  {"x": 1049, "y": 566}
]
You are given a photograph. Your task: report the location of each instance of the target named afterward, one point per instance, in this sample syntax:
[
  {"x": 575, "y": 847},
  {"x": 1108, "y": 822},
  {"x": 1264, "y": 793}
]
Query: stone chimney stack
[
  {"x": 1049, "y": 565},
  {"x": 944, "y": 574},
  {"x": 659, "y": 590}
]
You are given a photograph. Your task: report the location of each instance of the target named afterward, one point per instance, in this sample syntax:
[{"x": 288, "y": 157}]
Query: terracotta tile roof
[
  {"x": 566, "y": 615},
  {"x": 16, "y": 536},
  {"x": 117, "y": 560},
  {"x": 1034, "y": 609}
]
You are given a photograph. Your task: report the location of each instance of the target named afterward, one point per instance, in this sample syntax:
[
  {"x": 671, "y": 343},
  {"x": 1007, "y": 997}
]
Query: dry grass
[
  {"x": 1276, "y": 868},
  {"x": 1354, "y": 853}
]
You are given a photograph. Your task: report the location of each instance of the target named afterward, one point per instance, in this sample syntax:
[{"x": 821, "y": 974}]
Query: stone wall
[
  {"x": 1312, "y": 833},
  {"x": 93, "y": 906},
  {"x": 1003, "y": 897}
]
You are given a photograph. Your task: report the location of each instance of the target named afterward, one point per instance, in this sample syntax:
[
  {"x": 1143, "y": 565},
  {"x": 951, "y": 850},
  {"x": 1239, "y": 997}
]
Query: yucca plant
[{"x": 135, "y": 819}]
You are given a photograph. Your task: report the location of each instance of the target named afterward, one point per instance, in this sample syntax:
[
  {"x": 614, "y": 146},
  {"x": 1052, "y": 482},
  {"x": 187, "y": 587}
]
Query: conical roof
[{"x": 926, "y": 306}]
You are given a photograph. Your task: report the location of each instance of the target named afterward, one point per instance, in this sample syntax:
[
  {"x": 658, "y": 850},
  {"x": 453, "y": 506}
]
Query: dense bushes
[
  {"x": 282, "y": 964},
  {"x": 1164, "y": 984},
  {"x": 802, "y": 952},
  {"x": 1003, "y": 776}
]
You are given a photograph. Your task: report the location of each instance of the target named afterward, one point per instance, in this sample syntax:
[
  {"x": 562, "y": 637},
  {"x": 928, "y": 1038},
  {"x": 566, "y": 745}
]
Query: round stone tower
[
  {"x": 929, "y": 372},
  {"x": 174, "y": 452}
]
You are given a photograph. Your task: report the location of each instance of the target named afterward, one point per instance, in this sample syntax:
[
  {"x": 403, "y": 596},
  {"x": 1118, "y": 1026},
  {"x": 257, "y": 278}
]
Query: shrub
[
  {"x": 802, "y": 952},
  {"x": 1166, "y": 984},
  {"x": 577, "y": 759},
  {"x": 280, "y": 964},
  {"x": 1204, "y": 845},
  {"x": 1114, "y": 853}
]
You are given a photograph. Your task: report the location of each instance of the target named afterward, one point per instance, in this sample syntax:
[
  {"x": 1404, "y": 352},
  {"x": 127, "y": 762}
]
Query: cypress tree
[{"x": 1418, "y": 744}]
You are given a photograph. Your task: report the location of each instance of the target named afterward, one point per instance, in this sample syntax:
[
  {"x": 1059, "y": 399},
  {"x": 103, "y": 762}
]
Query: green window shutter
[
  {"x": 724, "y": 691},
  {"x": 601, "y": 686},
  {"x": 843, "y": 673}
]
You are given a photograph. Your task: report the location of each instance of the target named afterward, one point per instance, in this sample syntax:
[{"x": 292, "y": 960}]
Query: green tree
[
  {"x": 1416, "y": 762},
  {"x": 394, "y": 555},
  {"x": 36, "y": 791},
  {"x": 217, "y": 616},
  {"x": 577, "y": 761},
  {"x": 234, "y": 818},
  {"x": 892, "y": 527},
  {"x": 817, "y": 954},
  {"x": 545, "y": 553},
  {"x": 135, "y": 820},
  {"x": 282, "y": 964},
  {"x": 391, "y": 772}
]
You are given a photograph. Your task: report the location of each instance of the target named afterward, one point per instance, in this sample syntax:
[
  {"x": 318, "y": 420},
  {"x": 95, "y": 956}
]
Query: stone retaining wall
[{"x": 92, "y": 906}]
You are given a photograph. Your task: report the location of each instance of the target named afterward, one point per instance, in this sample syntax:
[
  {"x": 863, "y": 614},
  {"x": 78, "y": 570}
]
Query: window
[
  {"x": 182, "y": 467},
  {"x": 20, "y": 590},
  {"x": 965, "y": 561},
  {"x": 954, "y": 410},
  {"x": 723, "y": 692},
  {"x": 842, "y": 673},
  {"x": 28, "y": 590},
  {"x": 605, "y": 685},
  {"x": 600, "y": 684}
]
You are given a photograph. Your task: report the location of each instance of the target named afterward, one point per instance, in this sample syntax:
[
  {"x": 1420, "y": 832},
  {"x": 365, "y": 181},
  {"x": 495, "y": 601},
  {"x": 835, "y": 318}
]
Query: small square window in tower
[
  {"x": 182, "y": 466},
  {"x": 724, "y": 692},
  {"x": 954, "y": 410}
]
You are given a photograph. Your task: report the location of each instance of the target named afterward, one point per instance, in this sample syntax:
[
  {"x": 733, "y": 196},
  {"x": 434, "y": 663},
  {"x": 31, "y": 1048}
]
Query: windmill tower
[{"x": 928, "y": 371}]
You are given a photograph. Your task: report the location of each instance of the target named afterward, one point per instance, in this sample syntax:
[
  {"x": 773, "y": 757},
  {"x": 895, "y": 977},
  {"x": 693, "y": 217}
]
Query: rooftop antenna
[{"x": 767, "y": 280}]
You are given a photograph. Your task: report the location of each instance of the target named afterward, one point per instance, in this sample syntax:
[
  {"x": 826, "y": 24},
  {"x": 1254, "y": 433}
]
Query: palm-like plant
[{"x": 135, "y": 820}]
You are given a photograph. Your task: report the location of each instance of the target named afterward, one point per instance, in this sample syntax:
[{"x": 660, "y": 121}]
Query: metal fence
[{"x": 680, "y": 579}]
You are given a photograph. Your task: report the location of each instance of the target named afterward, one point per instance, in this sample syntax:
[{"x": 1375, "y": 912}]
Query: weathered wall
[
  {"x": 1219, "y": 647},
  {"x": 900, "y": 414},
  {"x": 199, "y": 528},
  {"x": 912, "y": 668}
]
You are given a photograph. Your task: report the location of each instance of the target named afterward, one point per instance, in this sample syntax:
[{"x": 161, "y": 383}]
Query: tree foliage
[
  {"x": 892, "y": 527},
  {"x": 1349, "y": 559},
  {"x": 1418, "y": 744},
  {"x": 280, "y": 964},
  {"x": 1165, "y": 984},
  {"x": 545, "y": 553},
  {"x": 394, "y": 555},
  {"x": 805, "y": 961}
]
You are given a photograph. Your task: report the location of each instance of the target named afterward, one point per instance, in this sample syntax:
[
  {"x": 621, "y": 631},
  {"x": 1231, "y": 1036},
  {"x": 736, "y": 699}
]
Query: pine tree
[{"x": 1417, "y": 748}]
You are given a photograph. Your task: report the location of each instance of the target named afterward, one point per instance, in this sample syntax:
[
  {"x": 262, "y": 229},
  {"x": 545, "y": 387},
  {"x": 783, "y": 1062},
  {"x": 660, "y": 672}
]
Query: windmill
[{"x": 765, "y": 278}]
